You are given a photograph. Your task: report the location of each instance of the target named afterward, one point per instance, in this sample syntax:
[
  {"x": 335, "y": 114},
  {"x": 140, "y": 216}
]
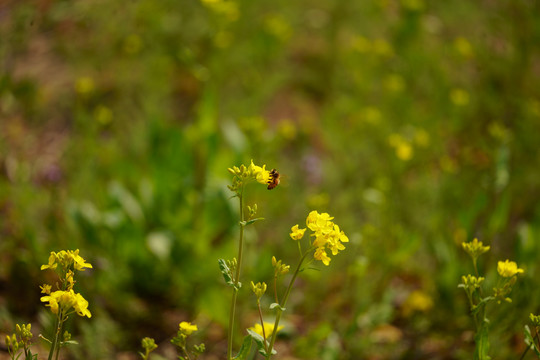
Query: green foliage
[{"x": 416, "y": 122}]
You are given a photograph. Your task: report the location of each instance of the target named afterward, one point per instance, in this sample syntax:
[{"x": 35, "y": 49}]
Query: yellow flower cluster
[
  {"x": 186, "y": 328},
  {"x": 328, "y": 235},
  {"x": 268, "y": 329},
  {"x": 65, "y": 300},
  {"x": 258, "y": 289},
  {"x": 475, "y": 248},
  {"x": 508, "y": 268},
  {"x": 244, "y": 173},
  {"x": 21, "y": 339},
  {"x": 69, "y": 259}
]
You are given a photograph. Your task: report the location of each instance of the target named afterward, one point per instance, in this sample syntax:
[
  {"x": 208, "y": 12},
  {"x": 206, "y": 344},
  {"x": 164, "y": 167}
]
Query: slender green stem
[
  {"x": 59, "y": 333},
  {"x": 237, "y": 275},
  {"x": 262, "y": 324},
  {"x": 55, "y": 340},
  {"x": 284, "y": 302}
]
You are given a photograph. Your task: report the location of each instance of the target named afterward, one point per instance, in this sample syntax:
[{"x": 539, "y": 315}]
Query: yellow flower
[
  {"x": 320, "y": 254},
  {"x": 268, "y": 329},
  {"x": 508, "y": 268},
  {"x": 258, "y": 289},
  {"x": 52, "y": 262},
  {"x": 327, "y": 235},
  {"x": 78, "y": 262},
  {"x": 475, "y": 248},
  {"x": 66, "y": 259},
  {"x": 459, "y": 97},
  {"x": 66, "y": 300},
  {"x": 259, "y": 173},
  {"x": 296, "y": 233},
  {"x": 81, "y": 306},
  {"x": 45, "y": 289},
  {"x": 187, "y": 328},
  {"x": 417, "y": 301}
]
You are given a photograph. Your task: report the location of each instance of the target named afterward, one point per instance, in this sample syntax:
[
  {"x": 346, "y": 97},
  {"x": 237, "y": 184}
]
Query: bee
[{"x": 274, "y": 179}]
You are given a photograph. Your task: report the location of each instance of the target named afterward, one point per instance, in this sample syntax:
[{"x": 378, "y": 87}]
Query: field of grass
[{"x": 415, "y": 123}]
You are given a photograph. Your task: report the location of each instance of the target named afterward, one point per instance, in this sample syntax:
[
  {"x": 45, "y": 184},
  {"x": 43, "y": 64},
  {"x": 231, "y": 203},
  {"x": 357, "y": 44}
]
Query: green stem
[
  {"x": 237, "y": 275},
  {"x": 55, "y": 340},
  {"x": 282, "y": 305},
  {"x": 59, "y": 333},
  {"x": 262, "y": 324}
]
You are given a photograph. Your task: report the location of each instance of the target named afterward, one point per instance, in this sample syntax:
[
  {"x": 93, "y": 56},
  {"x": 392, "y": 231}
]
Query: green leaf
[
  {"x": 226, "y": 271},
  {"x": 482, "y": 343},
  {"x": 529, "y": 340},
  {"x": 259, "y": 340},
  {"x": 244, "y": 349},
  {"x": 276, "y": 305},
  {"x": 249, "y": 222}
]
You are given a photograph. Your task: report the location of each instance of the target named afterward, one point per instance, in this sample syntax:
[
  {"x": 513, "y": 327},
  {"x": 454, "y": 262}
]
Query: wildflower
[
  {"x": 417, "y": 301},
  {"x": 321, "y": 255},
  {"x": 67, "y": 259},
  {"x": 186, "y": 328},
  {"x": 471, "y": 282},
  {"x": 508, "y": 268},
  {"x": 84, "y": 85},
  {"x": 65, "y": 300},
  {"x": 268, "y": 328},
  {"x": 296, "y": 233},
  {"x": 327, "y": 236},
  {"x": 45, "y": 289},
  {"x": 475, "y": 248},
  {"x": 148, "y": 344},
  {"x": 279, "y": 268},
  {"x": 258, "y": 289},
  {"x": 259, "y": 173},
  {"x": 535, "y": 319},
  {"x": 459, "y": 97}
]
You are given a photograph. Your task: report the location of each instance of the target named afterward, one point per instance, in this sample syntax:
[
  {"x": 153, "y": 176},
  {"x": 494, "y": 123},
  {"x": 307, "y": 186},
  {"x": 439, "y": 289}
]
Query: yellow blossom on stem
[
  {"x": 327, "y": 234},
  {"x": 296, "y": 233},
  {"x": 508, "y": 268},
  {"x": 46, "y": 289},
  {"x": 268, "y": 329},
  {"x": 321, "y": 255},
  {"x": 65, "y": 300},
  {"x": 475, "y": 248},
  {"x": 187, "y": 328}
]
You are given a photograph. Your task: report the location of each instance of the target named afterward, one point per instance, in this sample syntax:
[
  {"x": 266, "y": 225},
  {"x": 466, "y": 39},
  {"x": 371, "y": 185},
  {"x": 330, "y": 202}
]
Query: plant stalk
[{"x": 237, "y": 274}]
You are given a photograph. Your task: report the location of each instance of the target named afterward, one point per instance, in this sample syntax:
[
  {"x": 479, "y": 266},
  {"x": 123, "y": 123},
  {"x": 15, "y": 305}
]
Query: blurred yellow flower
[
  {"x": 268, "y": 329},
  {"x": 103, "y": 114},
  {"x": 67, "y": 259},
  {"x": 327, "y": 236},
  {"x": 361, "y": 44},
  {"x": 84, "y": 85},
  {"x": 404, "y": 151},
  {"x": 382, "y": 47},
  {"x": 417, "y": 301},
  {"x": 475, "y": 248},
  {"x": 296, "y": 233},
  {"x": 421, "y": 137},
  {"x": 321, "y": 255},
  {"x": 508, "y": 268},
  {"x": 277, "y": 26},
  {"x": 463, "y": 47},
  {"x": 459, "y": 97},
  {"x": 371, "y": 115},
  {"x": 65, "y": 300},
  {"x": 187, "y": 328},
  {"x": 132, "y": 44},
  {"x": 394, "y": 83}
]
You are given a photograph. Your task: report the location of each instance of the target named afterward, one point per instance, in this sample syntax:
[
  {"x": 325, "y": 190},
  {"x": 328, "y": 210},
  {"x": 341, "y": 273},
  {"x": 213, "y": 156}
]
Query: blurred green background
[{"x": 416, "y": 123}]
